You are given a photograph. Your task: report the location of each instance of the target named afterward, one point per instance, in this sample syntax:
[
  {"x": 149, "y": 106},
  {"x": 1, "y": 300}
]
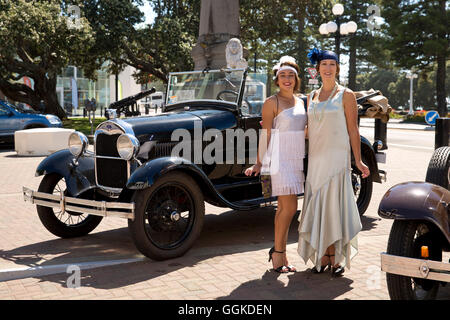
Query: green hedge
[{"x": 82, "y": 124}]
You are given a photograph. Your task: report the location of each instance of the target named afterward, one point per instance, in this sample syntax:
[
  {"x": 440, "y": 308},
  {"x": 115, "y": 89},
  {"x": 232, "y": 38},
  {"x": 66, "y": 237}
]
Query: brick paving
[{"x": 228, "y": 261}]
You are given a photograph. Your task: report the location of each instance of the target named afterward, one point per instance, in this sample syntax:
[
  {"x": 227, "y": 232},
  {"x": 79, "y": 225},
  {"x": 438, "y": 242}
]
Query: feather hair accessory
[
  {"x": 314, "y": 55},
  {"x": 284, "y": 59}
]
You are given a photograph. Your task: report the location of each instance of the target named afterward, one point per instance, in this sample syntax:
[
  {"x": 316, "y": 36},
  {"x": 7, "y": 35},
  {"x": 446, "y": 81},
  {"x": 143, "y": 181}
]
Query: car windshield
[
  {"x": 22, "y": 108},
  {"x": 222, "y": 85}
]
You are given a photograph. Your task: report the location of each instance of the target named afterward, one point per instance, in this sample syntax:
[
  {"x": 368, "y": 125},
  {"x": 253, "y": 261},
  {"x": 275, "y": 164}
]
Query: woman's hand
[
  {"x": 363, "y": 168},
  {"x": 255, "y": 169}
]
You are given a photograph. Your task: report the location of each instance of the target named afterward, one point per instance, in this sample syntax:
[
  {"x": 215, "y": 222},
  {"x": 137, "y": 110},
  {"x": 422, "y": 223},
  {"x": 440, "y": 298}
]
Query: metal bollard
[
  {"x": 381, "y": 132},
  {"x": 442, "y": 132}
]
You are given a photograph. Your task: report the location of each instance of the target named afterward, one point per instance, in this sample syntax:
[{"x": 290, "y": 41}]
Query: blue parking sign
[{"x": 431, "y": 117}]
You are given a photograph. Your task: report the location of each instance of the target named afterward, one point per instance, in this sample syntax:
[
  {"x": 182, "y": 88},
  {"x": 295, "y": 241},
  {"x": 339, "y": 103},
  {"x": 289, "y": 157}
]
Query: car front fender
[
  {"x": 79, "y": 178},
  {"x": 146, "y": 175},
  {"x": 417, "y": 201}
]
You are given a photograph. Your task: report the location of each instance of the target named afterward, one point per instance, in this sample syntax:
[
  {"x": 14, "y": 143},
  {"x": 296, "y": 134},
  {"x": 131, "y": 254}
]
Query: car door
[
  {"x": 10, "y": 120},
  {"x": 6, "y": 121}
]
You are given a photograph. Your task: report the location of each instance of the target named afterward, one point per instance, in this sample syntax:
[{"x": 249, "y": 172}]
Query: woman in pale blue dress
[
  {"x": 330, "y": 220},
  {"x": 282, "y": 150}
]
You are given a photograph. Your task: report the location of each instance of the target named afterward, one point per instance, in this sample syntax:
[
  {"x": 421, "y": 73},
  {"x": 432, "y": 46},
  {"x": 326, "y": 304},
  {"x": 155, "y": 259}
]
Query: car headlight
[
  {"x": 78, "y": 143},
  {"x": 127, "y": 146},
  {"x": 53, "y": 119}
]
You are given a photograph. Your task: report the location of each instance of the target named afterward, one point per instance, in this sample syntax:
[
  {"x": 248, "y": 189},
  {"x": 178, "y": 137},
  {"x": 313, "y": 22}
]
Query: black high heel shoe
[
  {"x": 322, "y": 268},
  {"x": 280, "y": 269},
  {"x": 338, "y": 270}
]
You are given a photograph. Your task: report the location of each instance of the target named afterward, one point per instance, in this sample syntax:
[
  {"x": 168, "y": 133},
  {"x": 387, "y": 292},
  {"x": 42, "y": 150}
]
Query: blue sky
[{"x": 148, "y": 11}]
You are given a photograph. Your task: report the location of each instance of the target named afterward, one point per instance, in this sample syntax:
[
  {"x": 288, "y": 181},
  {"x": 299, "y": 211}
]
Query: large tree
[
  {"x": 417, "y": 35},
  {"x": 156, "y": 49},
  {"x": 38, "y": 42}
]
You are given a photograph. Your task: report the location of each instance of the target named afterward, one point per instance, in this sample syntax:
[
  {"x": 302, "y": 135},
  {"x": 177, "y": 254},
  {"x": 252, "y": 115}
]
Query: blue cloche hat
[{"x": 316, "y": 55}]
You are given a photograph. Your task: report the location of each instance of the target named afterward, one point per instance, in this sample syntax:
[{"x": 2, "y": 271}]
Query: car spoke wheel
[
  {"x": 406, "y": 239},
  {"x": 168, "y": 216},
  {"x": 64, "y": 224}
]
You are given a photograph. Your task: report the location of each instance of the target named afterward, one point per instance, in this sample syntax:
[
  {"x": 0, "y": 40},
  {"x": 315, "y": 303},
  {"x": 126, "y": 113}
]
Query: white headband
[{"x": 286, "y": 68}]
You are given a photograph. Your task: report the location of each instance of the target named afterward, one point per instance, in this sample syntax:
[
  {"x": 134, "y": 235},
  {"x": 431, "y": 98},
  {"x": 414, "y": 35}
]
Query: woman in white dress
[
  {"x": 330, "y": 220},
  {"x": 282, "y": 149}
]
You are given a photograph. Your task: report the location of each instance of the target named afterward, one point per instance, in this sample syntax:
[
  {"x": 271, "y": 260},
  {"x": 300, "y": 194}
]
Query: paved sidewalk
[
  {"x": 229, "y": 260},
  {"x": 397, "y": 124}
]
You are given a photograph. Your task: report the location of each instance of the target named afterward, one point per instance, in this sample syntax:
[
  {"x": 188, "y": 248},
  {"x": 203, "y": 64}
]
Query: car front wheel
[
  {"x": 168, "y": 216},
  {"x": 405, "y": 240},
  {"x": 63, "y": 224}
]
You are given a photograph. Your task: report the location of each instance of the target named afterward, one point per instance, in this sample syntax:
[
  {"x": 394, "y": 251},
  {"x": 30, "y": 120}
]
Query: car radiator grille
[{"x": 112, "y": 173}]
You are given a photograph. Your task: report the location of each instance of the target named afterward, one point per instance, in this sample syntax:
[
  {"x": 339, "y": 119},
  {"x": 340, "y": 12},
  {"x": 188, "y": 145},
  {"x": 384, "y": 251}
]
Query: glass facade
[{"x": 74, "y": 89}]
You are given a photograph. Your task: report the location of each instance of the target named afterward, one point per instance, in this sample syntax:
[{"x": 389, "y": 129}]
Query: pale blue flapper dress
[
  {"x": 284, "y": 157},
  {"x": 329, "y": 214}
]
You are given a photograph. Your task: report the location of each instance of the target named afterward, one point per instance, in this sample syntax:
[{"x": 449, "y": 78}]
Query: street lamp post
[
  {"x": 411, "y": 76},
  {"x": 344, "y": 28}
]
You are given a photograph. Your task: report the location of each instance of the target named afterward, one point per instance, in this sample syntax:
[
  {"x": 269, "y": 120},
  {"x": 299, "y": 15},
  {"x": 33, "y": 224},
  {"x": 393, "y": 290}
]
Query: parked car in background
[{"x": 20, "y": 117}]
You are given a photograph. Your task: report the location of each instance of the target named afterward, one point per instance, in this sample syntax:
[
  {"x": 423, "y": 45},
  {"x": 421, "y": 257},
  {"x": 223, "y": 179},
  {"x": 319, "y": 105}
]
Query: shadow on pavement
[
  {"x": 369, "y": 223},
  {"x": 301, "y": 285},
  {"x": 226, "y": 233}
]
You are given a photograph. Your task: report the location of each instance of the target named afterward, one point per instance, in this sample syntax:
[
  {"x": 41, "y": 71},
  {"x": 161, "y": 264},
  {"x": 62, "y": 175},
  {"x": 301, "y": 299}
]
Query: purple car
[{"x": 13, "y": 118}]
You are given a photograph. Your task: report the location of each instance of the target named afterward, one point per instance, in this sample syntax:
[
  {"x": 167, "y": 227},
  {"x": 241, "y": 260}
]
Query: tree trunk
[
  {"x": 352, "y": 65},
  {"x": 44, "y": 89},
  {"x": 353, "y": 44},
  {"x": 301, "y": 48},
  {"x": 441, "y": 68},
  {"x": 440, "y": 86}
]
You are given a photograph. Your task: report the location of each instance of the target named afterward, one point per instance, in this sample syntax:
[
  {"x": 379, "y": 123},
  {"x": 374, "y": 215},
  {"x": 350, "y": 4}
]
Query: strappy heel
[
  {"x": 280, "y": 269},
  {"x": 322, "y": 267},
  {"x": 338, "y": 270}
]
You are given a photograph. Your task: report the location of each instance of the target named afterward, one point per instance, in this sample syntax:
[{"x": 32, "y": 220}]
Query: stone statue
[
  {"x": 219, "y": 22},
  {"x": 219, "y": 17},
  {"x": 234, "y": 55}
]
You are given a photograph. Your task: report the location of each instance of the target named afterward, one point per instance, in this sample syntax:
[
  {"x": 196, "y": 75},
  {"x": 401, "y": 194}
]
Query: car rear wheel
[
  {"x": 437, "y": 172},
  {"x": 64, "y": 224},
  {"x": 362, "y": 188},
  {"x": 406, "y": 239},
  {"x": 168, "y": 217}
]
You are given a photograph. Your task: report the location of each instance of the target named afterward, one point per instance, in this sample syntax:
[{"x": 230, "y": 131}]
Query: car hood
[{"x": 162, "y": 125}]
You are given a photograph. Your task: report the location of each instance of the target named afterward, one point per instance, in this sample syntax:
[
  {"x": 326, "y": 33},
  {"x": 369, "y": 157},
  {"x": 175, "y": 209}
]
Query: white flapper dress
[
  {"x": 329, "y": 214},
  {"x": 284, "y": 157}
]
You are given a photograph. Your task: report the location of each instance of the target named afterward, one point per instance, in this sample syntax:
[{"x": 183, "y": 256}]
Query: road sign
[
  {"x": 431, "y": 117},
  {"x": 313, "y": 81},
  {"x": 312, "y": 72}
]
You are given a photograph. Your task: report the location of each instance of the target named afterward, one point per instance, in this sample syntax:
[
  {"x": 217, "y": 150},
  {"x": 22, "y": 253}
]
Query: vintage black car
[
  {"x": 138, "y": 170},
  {"x": 420, "y": 233}
]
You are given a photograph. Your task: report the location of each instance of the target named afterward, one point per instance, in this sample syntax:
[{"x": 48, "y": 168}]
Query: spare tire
[{"x": 437, "y": 172}]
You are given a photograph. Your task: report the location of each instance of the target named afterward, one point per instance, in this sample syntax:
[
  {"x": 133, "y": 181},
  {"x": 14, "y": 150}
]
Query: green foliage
[
  {"x": 165, "y": 45},
  {"x": 417, "y": 37},
  {"x": 417, "y": 118},
  {"x": 37, "y": 42},
  {"x": 82, "y": 124}
]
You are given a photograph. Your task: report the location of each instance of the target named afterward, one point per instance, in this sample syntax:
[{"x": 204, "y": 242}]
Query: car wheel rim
[
  {"x": 169, "y": 216},
  {"x": 422, "y": 289},
  {"x": 356, "y": 182},
  {"x": 68, "y": 218}
]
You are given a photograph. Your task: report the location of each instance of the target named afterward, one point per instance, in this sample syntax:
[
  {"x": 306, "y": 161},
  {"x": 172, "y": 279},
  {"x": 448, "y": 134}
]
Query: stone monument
[{"x": 219, "y": 22}]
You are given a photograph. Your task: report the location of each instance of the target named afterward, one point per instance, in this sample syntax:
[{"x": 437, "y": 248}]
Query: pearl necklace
[{"x": 314, "y": 104}]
